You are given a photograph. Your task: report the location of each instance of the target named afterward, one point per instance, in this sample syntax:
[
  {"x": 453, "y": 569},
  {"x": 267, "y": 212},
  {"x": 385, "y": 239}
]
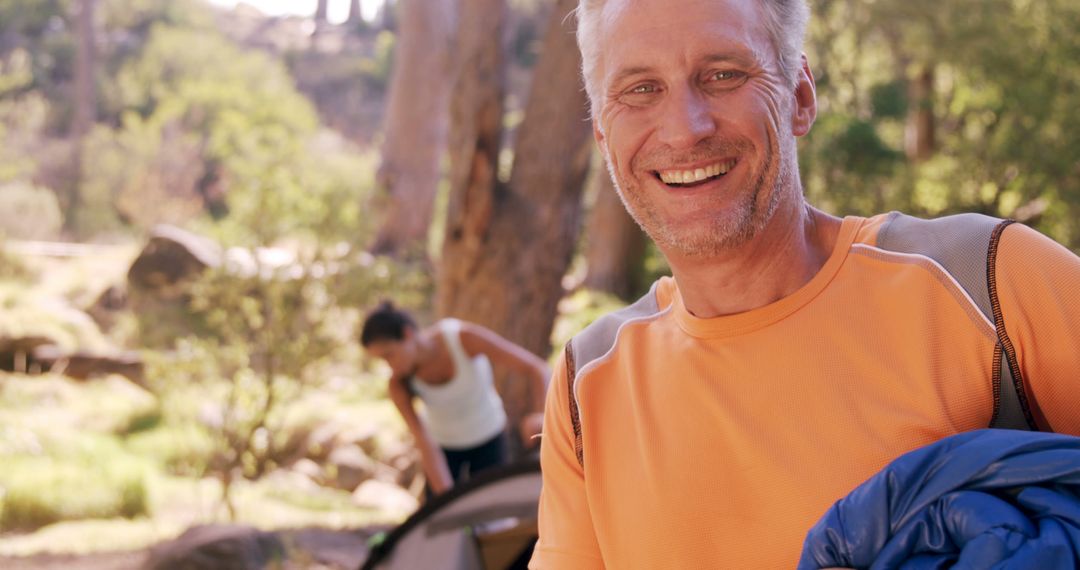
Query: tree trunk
[
  {"x": 321, "y": 12},
  {"x": 508, "y": 245},
  {"x": 84, "y": 98},
  {"x": 85, "y": 95},
  {"x": 416, "y": 124},
  {"x": 919, "y": 143},
  {"x": 387, "y": 15},
  {"x": 355, "y": 16},
  {"x": 615, "y": 245}
]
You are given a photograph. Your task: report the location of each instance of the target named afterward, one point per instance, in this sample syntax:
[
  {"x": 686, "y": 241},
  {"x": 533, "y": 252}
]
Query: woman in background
[{"x": 449, "y": 367}]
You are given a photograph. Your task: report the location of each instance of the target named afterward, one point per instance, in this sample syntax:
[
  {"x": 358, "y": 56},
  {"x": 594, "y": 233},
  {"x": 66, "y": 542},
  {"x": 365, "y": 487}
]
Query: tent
[{"x": 486, "y": 523}]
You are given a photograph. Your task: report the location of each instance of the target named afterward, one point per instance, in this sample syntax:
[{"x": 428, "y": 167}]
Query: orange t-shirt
[{"x": 717, "y": 443}]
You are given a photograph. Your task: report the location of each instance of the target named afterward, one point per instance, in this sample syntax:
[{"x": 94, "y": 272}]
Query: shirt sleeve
[
  {"x": 1038, "y": 283},
  {"x": 567, "y": 537}
]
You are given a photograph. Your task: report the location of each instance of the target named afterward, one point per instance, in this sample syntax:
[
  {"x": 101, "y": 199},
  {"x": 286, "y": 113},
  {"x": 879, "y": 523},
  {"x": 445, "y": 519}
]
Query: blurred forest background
[{"x": 198, "y": 203}]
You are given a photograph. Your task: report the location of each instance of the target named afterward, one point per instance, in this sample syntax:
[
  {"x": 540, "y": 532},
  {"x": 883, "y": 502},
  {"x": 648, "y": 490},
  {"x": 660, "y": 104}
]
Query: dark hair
[{"x": 386, "y": 322}]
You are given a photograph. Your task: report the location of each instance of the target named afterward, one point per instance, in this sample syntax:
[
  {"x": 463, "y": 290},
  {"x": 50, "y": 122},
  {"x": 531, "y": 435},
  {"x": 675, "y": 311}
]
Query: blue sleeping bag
[{"x": 982, "y": 499}]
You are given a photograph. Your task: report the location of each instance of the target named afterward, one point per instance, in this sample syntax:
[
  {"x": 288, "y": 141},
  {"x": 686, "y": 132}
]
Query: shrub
[
  {"x": 29, "y": 212},
  {"x": 39, "y": 491}
]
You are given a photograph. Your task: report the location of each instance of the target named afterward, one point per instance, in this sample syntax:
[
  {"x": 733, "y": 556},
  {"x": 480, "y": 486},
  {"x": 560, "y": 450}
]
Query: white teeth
[{"x": 696, "y": 175}]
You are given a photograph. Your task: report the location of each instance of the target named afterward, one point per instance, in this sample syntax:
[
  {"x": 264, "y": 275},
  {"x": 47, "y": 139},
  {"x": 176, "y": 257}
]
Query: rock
[
  {"x": 385, "y": 497},
  {"x": 309, "y": 469},
  {"x": 322, "y": 440},
  {"x": 171, "y": 259},
  {"x": 108, "y": 305},
  {"x": 293, "y": 480},
  {"x": 15, "y": 352},
  {"x": 406, "y": 461},
  {"x": 365, "y": 436},
  {"x": 82, "y": 365},
  {"x": 218, "y": 547},
  {"x": 349, "y": 466}
]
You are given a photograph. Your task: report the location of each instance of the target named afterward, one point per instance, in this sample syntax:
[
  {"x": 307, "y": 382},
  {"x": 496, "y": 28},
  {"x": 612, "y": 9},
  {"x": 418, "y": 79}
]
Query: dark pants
[{"x": 466, "y": 462}]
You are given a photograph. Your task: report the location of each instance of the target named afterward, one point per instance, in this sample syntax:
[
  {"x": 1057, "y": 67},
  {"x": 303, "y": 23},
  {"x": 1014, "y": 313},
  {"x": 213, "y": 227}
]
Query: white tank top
[{"x": 465, "y": 411}]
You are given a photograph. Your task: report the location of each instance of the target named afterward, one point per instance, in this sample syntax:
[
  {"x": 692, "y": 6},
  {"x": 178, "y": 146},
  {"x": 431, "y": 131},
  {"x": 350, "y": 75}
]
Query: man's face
[{"x": 696, "y": 120}]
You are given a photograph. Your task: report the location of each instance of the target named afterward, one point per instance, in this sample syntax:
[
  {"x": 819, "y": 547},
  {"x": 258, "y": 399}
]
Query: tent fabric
[
  {"x": 982, "y": 499},
  {"x": 491, "y": 517}
]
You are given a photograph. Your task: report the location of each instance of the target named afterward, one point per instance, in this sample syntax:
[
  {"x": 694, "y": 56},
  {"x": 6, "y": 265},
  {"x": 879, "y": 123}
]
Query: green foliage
[
  {"x": 205, "y": 80},
  {"x": 140, "y": 175},
  {"x": 51, "y": 492},
  {"x": 38, "y": 29},
  {"x": 86, "y": 477},
  {"x": 25, "y": 312},
  {"x": 579, "y": 311},
  {"x": 376, "y": 70},
  {"x": 180, "y": 448},
  {"x": 1004, "y": 87},
  {"x": 12, "y": 268},
  {"x": 29, "y": 212},
  {"x": 139, "y": 16},
  {"x": 22, "y": 124}
]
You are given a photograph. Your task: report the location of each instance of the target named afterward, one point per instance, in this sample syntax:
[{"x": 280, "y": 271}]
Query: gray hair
[{"x": 785, "y": 21}]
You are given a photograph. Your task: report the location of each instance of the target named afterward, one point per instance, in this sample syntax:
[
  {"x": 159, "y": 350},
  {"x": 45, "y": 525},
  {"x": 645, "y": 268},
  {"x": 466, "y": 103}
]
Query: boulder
[
  {"x": 15, "y": 352},
  {"x": 171, "y": 259},
  {"x": 309, "y": 469},
  {"x": 329, "y": 435},
  {"x": 218, "y": 547},
  {"x": 82, "y": 365},
  {"x": 349, "y": 466},
  {"x": 384, "y": 497}
]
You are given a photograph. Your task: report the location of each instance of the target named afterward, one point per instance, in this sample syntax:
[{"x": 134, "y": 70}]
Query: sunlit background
[
  {"x": 336, "y": 11},
  {"x": 199, "y": 201}
]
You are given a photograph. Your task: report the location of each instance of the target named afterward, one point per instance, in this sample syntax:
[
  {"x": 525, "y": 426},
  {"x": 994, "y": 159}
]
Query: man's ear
[
  {"x": 805, "y": 110},
  {"x": 598, "y": 136}
]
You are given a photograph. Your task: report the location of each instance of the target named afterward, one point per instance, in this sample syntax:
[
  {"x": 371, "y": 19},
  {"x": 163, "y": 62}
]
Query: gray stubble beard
[{"x": 729, "y": 231}]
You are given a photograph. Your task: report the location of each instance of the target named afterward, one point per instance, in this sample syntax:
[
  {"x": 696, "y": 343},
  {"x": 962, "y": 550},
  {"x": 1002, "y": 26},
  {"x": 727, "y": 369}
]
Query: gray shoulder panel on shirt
[
  {"x": 598, "y": 338},
  {"x": 958, "y": 243},
  {"x": 961, "y": 245}
]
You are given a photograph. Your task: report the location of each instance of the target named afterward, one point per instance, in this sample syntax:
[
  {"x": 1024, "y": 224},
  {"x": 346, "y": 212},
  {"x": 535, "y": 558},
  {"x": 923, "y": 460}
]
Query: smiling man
[{"x": 792, "y": 354}]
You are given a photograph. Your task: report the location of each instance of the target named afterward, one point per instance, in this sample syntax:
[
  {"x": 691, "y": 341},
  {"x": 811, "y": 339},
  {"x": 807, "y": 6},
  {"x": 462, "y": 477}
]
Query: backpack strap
[{"x": 966, "y": 245}]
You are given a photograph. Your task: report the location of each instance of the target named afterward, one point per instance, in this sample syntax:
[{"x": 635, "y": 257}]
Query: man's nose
[{"x": 688, "y": 119}]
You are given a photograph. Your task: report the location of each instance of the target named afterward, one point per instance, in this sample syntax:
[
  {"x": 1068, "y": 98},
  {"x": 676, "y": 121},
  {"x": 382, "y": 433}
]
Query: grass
[
  {"x": 103, "y": 466},
  {"x": 39, "y": 491}
]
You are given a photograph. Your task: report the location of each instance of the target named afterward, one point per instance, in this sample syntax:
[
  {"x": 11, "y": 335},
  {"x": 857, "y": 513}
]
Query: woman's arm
[
  {"x": 431, "y": 457},
  {"x": 509, "y": 356}
]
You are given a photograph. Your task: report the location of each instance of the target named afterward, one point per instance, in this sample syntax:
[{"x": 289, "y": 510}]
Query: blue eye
[{"x": 723, "y": 75}]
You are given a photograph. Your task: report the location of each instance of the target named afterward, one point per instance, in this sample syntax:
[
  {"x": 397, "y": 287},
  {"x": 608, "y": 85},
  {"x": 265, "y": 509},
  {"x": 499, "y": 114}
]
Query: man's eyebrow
[
  {"x": 728, "y": 57},
  {"x": 629, "y": 72}
]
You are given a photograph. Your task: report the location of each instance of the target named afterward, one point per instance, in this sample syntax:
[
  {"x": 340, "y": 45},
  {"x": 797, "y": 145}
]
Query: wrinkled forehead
[{"x": 661, "y": 33}]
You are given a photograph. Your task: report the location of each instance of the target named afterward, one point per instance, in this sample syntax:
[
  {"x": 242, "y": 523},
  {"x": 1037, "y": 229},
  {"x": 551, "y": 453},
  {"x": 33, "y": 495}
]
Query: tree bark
[
  {"x": 84, "y": 103},
  {"x": 615, "y": 245},
  {"x": 355, "y": 16},
  {"x": 321, "y": 12},
  {"x": 508, "y": 245},
  {"x": 416, "y": 124},
  {"x": 387, "y": 15},
  {"x": 85, "y": 96},
  {"x": 919, "y": 136}
]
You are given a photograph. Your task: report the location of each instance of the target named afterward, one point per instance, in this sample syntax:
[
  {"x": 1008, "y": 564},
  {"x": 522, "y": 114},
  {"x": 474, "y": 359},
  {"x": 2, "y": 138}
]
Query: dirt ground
[{"x": 310, "y": 549}]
